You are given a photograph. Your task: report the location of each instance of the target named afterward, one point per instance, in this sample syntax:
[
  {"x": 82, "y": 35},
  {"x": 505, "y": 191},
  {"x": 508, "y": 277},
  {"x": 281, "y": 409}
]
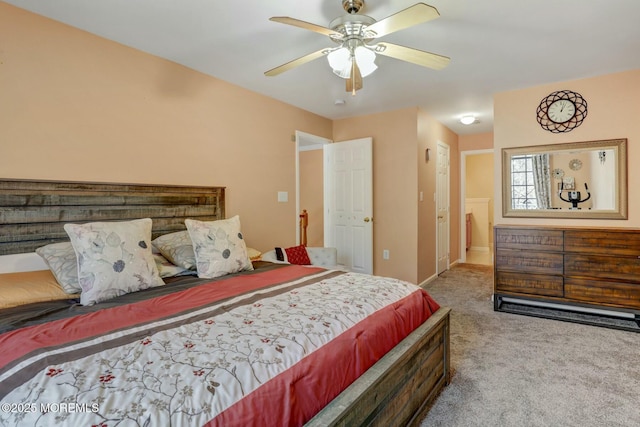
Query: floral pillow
[
  {"x": 177, "y": 248},
  {"x": 114, "y": 258},
  {"x": 219, "y": 247},
  {"x": 62, "y": 261}
]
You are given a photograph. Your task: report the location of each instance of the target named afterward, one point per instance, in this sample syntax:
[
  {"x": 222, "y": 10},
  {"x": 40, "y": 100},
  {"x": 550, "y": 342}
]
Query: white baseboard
[
  {"x": 428, "y": 280},
  {"x": 435, "y": 276}
]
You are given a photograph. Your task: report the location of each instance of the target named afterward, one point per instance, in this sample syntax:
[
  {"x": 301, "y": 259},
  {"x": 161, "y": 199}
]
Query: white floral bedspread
[{"x": 186, "y": 369}]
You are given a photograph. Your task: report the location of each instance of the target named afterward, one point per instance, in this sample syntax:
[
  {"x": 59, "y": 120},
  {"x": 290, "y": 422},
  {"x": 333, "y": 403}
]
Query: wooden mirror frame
[{"x": 620, "y": 210}]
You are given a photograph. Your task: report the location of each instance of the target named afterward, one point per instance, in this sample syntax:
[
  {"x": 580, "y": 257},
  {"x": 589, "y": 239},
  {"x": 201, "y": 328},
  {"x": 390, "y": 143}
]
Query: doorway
[
  {"x": 310, "y": 185},
  {"x": 477, "y": 198},
  {"x": 442, "y": 207},
  {"x": 355, "y": 242}
]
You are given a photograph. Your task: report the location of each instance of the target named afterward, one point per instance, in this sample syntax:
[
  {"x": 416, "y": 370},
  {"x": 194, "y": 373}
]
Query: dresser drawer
[
  {"x": 607, "y": 267},
  {"x": 529, "y": 262},
  {"x": 603, "y": 292},
  {"x": 606, "y": 242},
  {"x": 529, "y": 239},
  {"x": 533, "y": 284}
]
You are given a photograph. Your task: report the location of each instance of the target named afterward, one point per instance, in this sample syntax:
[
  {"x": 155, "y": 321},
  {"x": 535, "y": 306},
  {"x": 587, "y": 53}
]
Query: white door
[
  {"x": 442, "y": 206},
  {"x": 348, "y": 202}
]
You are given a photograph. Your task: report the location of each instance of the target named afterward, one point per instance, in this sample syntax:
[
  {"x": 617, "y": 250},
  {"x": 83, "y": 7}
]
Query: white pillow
[
  {"x": 114, "y": 258},
  {"x": 62, "y": 261},
  {"x": 219, "y": 247}
]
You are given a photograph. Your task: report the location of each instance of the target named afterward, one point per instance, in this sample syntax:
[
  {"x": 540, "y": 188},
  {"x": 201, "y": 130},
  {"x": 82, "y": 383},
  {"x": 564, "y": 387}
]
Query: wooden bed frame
[{"x": 397, "y": 390}]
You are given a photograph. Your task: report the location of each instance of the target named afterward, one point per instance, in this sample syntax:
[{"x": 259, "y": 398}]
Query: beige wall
[
  {"x": 312, "y": 194},
  {"x": 395, "y": 182},
  {"x": 430, "y": 132},
  {"x": 403, "y": 224},
  {"x": 78, "y": 107},
  {"x": 478, "y": 141},
  {"x": 74, "y": 106},
  {"x": 479, "y": 175},
  {"x": 613, "y": 111}
]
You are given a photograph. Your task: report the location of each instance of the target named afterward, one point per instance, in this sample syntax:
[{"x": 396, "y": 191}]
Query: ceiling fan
[{"x": 354, "y": 58}]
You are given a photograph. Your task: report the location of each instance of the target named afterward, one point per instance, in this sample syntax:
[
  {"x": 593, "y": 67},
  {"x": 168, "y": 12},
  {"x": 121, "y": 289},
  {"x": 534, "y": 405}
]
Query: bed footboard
[{"x": 400, "y": 387}]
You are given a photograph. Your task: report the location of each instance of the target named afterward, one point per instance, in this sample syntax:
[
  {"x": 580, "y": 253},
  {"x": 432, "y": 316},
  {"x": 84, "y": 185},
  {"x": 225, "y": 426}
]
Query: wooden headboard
[{"x": 33, "y": 213}]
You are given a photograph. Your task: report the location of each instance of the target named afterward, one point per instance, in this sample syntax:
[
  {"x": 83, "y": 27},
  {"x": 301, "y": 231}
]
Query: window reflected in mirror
[{"x": 523, "y": 189}]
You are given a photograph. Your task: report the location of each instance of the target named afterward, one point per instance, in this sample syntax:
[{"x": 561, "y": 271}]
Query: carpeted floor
[{"x": 515, "y": 370}]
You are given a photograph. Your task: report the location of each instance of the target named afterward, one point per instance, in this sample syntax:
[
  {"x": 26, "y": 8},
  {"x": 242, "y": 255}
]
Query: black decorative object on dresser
[{"x": 578, "y": 274}]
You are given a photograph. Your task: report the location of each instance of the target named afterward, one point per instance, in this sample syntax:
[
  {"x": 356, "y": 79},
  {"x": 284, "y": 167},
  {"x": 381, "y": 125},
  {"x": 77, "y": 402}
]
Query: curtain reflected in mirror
[{"x": 542, "y": 180}]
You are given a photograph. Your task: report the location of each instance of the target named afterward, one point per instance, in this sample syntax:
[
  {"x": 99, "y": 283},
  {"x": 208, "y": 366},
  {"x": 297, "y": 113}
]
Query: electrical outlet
[{"x": 385, "y": 254}]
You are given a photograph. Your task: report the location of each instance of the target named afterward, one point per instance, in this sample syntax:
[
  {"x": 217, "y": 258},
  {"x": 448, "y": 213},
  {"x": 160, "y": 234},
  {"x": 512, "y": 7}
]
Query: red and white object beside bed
[{"x": 326, "y": 257}]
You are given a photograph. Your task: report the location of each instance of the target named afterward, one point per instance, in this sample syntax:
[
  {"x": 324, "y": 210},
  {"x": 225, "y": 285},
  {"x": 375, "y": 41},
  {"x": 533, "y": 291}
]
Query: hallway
[{"x": 479, "y": 257}]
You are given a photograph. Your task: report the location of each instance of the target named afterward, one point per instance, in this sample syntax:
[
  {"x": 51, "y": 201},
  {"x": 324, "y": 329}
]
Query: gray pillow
[
  {"x": 62, "y": 261},
  {"x": 177, "y": 248},
  {"x": 168, "y": 269}
]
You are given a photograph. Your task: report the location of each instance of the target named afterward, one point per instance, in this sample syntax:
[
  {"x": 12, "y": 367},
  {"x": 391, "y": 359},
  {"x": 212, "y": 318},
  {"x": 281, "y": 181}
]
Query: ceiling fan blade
[
  {"x": 297, "y": 62},
  {"x": 414, "y": 15},
  {"x": 354, "y": 82},
  {"x": 306, "y": 25},
  {"x": 415, "y": 56}
]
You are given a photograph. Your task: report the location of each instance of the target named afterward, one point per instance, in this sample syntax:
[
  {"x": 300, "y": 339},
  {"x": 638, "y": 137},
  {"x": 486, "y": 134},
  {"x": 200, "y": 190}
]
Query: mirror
[{"x": 574, "y": 180}]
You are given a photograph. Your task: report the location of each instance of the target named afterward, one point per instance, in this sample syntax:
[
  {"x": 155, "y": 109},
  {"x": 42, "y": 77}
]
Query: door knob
[{"x": 367, "y": 219}]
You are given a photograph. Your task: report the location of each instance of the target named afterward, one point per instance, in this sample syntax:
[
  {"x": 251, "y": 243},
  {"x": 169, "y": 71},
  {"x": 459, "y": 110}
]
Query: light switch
[{"x": 283, "y": 196}]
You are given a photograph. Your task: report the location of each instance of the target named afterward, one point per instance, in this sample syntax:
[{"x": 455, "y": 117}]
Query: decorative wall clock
[
  {"x": 561, "y": 111},
  {"x": 575, "y": 164},
  {"x": 558, "y": 173}
]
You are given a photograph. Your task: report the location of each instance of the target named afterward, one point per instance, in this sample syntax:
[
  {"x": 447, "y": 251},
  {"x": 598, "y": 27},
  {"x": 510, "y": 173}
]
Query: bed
[{"x": 269, "y": 344}]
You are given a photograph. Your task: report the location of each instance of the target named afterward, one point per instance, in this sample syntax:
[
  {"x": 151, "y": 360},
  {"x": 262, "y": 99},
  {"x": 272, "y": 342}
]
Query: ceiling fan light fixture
[
  {"x": 365, "y": 58},
  {"x": 354, "y": 56},
  {"x": 340, "y": 61}
]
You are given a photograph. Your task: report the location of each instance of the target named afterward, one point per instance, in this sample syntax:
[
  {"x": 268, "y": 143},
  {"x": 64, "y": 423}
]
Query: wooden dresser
[{"x": 589, "y": 270}]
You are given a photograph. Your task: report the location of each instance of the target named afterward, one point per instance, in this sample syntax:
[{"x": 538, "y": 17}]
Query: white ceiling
[{"x": 494, "y": 46}]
